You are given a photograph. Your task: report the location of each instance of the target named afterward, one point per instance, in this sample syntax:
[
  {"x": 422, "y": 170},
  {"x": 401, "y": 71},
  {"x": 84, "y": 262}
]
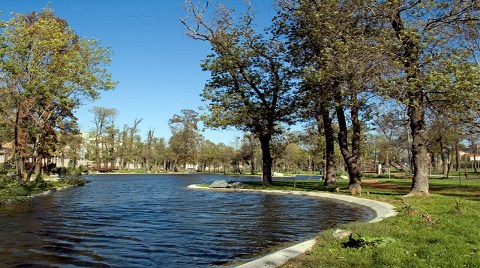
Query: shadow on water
[{"x": 154, "y": 221}]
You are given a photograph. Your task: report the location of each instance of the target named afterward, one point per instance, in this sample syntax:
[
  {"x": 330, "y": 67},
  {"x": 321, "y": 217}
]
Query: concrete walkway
[{"x": 382, "y": 210}]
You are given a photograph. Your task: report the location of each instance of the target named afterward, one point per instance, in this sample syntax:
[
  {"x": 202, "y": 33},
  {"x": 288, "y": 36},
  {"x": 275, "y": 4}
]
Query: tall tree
[
  {"x": 444, "y": 133},
  {"x": 250, "y": 86},
  {"x": 186, "y": 137},
  {"x": 69, "y": 146},
  {"x": 295, "y": 157},
  {"x": 425, "y": 42},
  {"x": 392, "y": 142},
  {"x": 314, "y": 145},
  {"x": 333, "y": 46},
  {"x": 160, "y": 153},
  {"x": 249, "y": 144},
  {"x": 149, "y": 147},
  {"x": 48, "y": 70},
  {"x": 102, "y": 132},
  {"x": 131, "y": 146},
  {"x": 207, "y": 155}
]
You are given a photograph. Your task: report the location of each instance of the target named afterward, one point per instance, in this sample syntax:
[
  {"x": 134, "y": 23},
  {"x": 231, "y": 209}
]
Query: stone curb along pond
[{"x": 382, "y": 210}]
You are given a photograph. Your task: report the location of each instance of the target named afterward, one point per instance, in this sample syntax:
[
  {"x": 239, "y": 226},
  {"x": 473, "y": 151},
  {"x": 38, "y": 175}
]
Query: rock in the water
[
  {"x": 219, "y": 184},
  {"x": 341, "y": 234},
  {"x": 236, "y": 185}
]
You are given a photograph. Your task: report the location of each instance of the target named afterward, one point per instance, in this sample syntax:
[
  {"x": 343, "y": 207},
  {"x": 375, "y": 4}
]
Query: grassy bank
[
  {"x": 441, "y": 230},
  {"x": 13, "y": 189}
]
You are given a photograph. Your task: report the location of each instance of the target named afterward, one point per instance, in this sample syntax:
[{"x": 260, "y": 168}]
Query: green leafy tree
[
  {"x": 148, "y": 153},
  {"x": 392, "y": 141},
  {"x": 247, "y": 150},
  {"x": 68, "y": 147},
  {"x": 431, "y": 65},
  {"x": 132, "y": 146},
  {"x": 103, "y": 134},
  {"x": 314, "y": 146},
  {"x": 333, "y": 46},
  {"x": 186, "y": 137},
  {"x": 226, "y": 153},
  {"x": 295, "y": 157},
  {"x": 250, "y": 87},
  {"x": 159, "y": 153},
  {"x": 207, "y": 155},
  {"x": 49, "y": 70},
  {"x": 444, "y": 134}
]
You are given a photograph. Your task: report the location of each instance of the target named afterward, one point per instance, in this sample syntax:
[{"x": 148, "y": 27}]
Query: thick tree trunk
[
  {"x": 324, "y": 120},
  {"x": 267, "y": 160},
  {"x": 415, "y": 101},
  {"x": 37, "y": 159},
  {"x": 350, "y": 156},
  {"x": 420, "y": 157}
]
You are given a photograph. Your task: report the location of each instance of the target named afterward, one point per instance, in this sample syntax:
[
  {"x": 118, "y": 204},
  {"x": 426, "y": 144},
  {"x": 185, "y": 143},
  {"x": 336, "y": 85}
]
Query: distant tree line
[
  {"x": 385, "y": 145},
  {"x": 188, "y": 150}
]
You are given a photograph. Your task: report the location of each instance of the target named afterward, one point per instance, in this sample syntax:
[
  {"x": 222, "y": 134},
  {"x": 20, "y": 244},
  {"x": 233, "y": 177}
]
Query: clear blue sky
[{"x": 156, "y": 64}]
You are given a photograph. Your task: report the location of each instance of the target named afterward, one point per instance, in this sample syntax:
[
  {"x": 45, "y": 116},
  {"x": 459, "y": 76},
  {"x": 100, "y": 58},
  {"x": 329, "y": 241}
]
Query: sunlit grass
[{"x": 440, "y": 230}]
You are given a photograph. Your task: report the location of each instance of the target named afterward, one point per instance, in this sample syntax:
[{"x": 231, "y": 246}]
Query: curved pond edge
[
  {"x": 382, "y": 210},
  {"x": 35, "y": 195}
]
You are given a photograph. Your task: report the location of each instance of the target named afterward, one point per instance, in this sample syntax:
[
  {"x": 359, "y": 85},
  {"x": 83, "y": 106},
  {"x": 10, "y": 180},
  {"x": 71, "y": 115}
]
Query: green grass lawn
[{"x": 440, "y": 230}]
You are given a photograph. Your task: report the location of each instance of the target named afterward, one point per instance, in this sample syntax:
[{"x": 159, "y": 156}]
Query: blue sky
[{"x": 156, "y": 64}]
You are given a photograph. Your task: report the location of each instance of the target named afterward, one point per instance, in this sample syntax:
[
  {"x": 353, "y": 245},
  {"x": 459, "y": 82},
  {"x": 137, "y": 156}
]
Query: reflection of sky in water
[{"x": 152, "y": 220}]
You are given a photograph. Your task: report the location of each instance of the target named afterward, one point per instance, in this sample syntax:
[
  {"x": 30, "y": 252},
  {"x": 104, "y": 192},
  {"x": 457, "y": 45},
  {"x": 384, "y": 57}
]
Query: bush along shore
[
  {"x": 439, "y": 230},
  {"x": 13, "y": 189}
]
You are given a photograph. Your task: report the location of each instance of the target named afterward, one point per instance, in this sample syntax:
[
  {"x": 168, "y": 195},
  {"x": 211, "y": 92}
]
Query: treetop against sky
[{"x": 157, "y": 67}]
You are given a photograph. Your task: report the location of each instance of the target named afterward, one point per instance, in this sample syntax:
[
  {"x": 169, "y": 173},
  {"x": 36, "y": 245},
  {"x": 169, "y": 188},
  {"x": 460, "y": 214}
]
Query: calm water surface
[{"x": 154, "y": 221}]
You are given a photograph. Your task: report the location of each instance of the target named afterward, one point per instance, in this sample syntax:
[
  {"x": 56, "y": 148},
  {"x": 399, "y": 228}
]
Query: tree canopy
[
  {"x": 251, "y": 85},
  {"x": 47, "y": 72}
]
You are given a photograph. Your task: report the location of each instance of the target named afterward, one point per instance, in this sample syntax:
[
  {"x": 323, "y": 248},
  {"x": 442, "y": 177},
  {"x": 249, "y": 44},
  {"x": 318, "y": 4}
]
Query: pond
[{"x": 155, "y": 221}]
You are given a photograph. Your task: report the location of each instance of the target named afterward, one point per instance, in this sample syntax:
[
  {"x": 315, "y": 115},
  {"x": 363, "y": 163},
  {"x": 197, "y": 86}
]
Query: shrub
[
  {"x": 71, "y": 175},
  {"x": 17, "y": 188},
  {"x": 83, "y": 169},
  {"x": 7, "y": 167},
  {"x": 39, "y": 183},
  {"x": 76, "y": 180},
  {"x": 361, "y": 241},
  {"x": 8, "y": 178}
]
